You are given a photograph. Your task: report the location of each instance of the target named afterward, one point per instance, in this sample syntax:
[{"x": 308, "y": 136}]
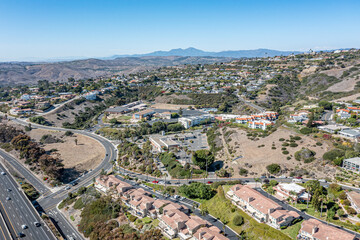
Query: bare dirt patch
[
  {"x": 259, "y": 157},
  {"x": 85, "y": 155},
  {"x": 169, "y": 106}
]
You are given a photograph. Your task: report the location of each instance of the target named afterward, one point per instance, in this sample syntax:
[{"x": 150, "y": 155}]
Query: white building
[{"x": 196, "y": 120}]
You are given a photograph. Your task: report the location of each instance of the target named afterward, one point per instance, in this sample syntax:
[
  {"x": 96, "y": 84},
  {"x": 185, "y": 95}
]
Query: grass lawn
[
  {"x": 312, "y": 212},
  {"x": 222, "y": 208},
  {"x": 293, "y": 230}
]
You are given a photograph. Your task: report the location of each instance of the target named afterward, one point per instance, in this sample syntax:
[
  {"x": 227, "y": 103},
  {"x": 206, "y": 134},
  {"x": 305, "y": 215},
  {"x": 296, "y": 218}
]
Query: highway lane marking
[
  {"x": 8, "y": 217},
  {"x": 3, "y": 233}
]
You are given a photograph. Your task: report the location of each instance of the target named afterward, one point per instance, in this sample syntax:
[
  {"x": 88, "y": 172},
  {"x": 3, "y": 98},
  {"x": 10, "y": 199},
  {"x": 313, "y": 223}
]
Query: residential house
[
  {"x": 260, "y": 207},
  {"x": 107, "y": 183},
  {"x": 211, "y": 233},
  {"x": 313, "y": 229},
  {"x": 292, "y": 190},
  {"x": 172, "y": 221}
]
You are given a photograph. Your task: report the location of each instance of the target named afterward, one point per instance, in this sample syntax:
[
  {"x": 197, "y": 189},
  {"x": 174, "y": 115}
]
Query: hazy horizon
[{"x": 46, "y": 30}]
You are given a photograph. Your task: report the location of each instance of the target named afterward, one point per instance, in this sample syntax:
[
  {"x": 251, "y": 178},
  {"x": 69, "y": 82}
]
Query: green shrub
[
  {"x": 243, "y": 171},
  {"x": 285, "y": 152},
  {"x": 306, "y": 130},
  {"x": 238, "y": 220},
  {"x": 273, "y": 168}
]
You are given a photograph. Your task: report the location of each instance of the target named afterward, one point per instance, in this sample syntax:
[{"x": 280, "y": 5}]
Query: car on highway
[
  {"x": 37, "y": 224},
  {"x": 9, "y": 190},
  {"x": 20, "y": 235},
  {"x": 155, "y": 181},
  {"x": 24, "y": 226},
  {"x": 67, "y": 187},
  {"x": 209, "y": 182},
  {"x": 3, "y": 173},
  {"x": 8, "y": 198},
  {"x": 298, "y": 177}
]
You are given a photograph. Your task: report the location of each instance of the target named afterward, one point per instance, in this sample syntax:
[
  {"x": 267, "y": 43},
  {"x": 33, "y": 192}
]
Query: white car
[
  {"x": 24, "y": 226},
  {"x": 67, "y": 187},
  {"x": 3, "y": 173}
]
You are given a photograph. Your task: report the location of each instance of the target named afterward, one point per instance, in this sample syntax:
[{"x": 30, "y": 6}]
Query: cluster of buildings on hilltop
[
  {"x": 258, "y": 121},
  {"x": 175, "y": 220}
]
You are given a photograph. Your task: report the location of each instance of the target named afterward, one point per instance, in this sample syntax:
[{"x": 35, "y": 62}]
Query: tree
[
  {"x": 325, "y": 104},
  {"x": 273, "y": 168},
  {"x": 203, "y": 158},
  {"x": 180, "y": 111},
  {"x": 315, "y": 200},
  {"x": 76, "y": 141}
]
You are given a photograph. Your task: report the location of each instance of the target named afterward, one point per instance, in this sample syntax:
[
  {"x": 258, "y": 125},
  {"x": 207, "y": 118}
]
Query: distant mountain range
[
  {"x": 12, "y": 73},
  {"x": 194, "y": 52}
]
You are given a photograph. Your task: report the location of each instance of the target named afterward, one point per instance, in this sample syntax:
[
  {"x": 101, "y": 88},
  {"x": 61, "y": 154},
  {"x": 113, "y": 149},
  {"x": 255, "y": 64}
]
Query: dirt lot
[
  {"x": 87, "y": 154},
  {"x": 169, "y": 106},
  {"x": 260, "y": 157}
]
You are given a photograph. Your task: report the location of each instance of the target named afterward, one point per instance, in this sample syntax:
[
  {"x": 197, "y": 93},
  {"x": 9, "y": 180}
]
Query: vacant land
[
  {"x": 84, "y": 155},
  {"x": 67, "y": 112},
  {"x": 169, "y": 106},
  {"x": 256, "y": 154}
]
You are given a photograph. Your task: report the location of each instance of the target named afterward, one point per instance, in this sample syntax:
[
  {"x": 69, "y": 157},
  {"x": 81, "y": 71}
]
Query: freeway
[
  {"x": 18, "y": 211},
  {"x": 4, "y": 231},
  {"x": 49, "y": 200}
]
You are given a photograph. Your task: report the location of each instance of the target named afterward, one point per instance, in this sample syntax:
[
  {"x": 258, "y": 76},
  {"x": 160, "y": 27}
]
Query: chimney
[{"x": 314, "y": 230}]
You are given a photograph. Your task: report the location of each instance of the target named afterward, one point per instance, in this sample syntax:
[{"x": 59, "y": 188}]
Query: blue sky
[{"x": 75, "y": 28}]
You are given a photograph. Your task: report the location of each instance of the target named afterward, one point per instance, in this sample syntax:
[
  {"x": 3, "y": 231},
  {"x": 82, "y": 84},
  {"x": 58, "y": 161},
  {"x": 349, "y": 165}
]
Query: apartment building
[
  {"x": 259, "y": 207},
  {"x": 106, "y": 184},
  {"x": 196, "y": 120},
  {"x": 352, "y": 164},
  {"x": 354, "y": 199},
  {"x": 260, "y": 124},
  {"x": 174, "y": 219},
  {"x": 313, "y": 229},
  {"x": 291, "y": 190}
]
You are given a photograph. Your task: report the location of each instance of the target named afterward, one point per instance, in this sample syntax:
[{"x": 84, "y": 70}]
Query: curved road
[{"x": 49, "y": 199}]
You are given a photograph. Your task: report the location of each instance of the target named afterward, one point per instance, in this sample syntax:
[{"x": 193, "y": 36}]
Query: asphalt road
[
  {"x": 4, "y": 231},
  {"x": 260, "y": 109},
  {"x": 188, "y": 203},
  {"x": 18, "y": 211},
  {"x": 49, "y": 200}
]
